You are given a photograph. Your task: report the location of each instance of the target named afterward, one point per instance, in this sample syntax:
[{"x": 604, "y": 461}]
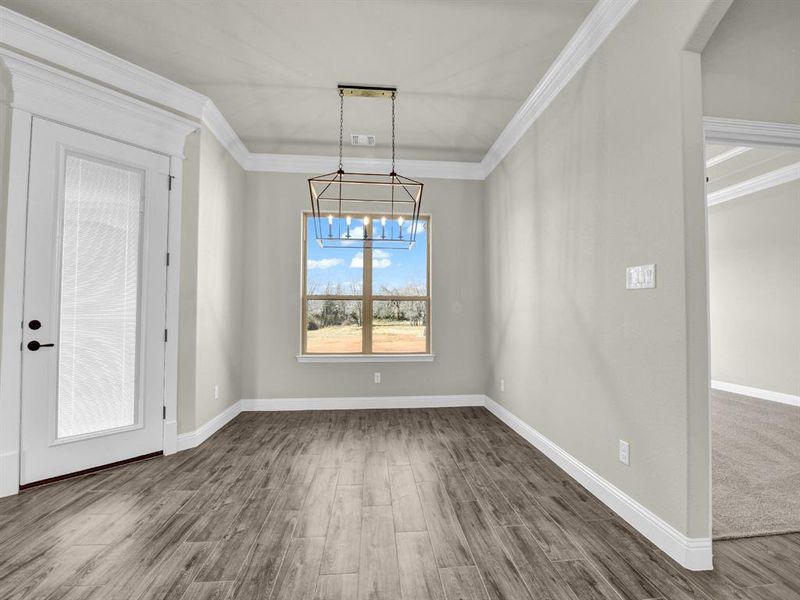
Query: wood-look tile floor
[{"x": 441, "y": 504}]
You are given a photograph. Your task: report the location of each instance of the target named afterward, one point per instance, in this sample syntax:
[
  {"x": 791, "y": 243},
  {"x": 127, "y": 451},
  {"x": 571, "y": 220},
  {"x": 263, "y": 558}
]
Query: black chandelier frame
[{"x": 340, "y": 196}]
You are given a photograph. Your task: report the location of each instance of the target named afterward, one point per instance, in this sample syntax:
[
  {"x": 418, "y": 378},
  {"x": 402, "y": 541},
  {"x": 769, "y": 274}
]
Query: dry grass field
[{"x": 386, "y": 337}]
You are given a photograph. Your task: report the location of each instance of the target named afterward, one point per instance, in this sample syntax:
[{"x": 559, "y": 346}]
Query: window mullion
[{"x": 366, "y": 307}]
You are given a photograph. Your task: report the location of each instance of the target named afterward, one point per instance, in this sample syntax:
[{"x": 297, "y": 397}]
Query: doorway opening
[{"x": 753, "y": 233}]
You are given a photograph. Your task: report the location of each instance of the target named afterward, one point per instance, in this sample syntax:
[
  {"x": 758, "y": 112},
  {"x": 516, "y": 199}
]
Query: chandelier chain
[
  {"x": 393, "y": 127},
  {"x": 341, "y": 126}
]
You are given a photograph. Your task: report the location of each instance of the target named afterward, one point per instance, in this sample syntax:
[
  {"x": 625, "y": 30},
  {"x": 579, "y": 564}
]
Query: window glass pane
[
  {"x": 402, "y": 272},
  {"x": 399, "y": 326},
  {"x": 333, "y": 326},
  {"x": 99, "y": 297},
  {"x": 333, "y": 271}
]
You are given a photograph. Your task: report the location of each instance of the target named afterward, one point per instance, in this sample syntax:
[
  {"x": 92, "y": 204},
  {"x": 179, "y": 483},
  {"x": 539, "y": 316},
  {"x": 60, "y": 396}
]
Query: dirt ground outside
[{"x": 386, "y": 337}]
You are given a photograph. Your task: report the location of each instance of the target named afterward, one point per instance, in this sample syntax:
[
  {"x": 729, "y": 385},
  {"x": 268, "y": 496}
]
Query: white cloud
[
  {"x": 324, "y": 263},
  {"x": 380, "y": 260}
]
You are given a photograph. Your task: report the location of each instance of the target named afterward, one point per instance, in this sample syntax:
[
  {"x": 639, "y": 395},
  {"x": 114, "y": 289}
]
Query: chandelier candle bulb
[
  {"x": 400, "y": 226},
  {"x": 383, "y": 228},
  {"x": 330, "y": 226},
  {"x": 366, "y": 227},
  {"x": 348, "y": 219}
]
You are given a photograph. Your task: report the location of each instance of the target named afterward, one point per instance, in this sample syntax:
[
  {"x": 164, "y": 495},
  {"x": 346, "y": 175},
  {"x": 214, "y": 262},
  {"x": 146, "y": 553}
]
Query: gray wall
[
  {"x": 754, "y": 275},
  {"x": 751, "y": 65},
  {"x": 212, "y": 248},
  {"x": 610, "y": 176},
  {"x": 271, "y": 338}
]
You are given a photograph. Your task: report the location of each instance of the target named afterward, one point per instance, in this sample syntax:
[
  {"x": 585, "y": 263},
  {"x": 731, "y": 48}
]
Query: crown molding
[
  {"x": 214, "y": 120},
  {"x": 719, "y": 130},
  {"x": 726, "y": 156},
  {"x": 600, "y": 22},
  {"x": 756, "y": 184},
  {"x": 48, "y": 92},
  {"x": 298, "y": 163}
]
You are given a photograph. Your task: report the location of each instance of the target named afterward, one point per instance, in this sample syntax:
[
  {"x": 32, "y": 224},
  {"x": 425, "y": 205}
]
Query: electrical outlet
[
  {"x": 377, "y": 377},
  {"x": 216, "y": 392},
  {"x": 625, "y": 453},
  {"x": 502, "y": 385}
]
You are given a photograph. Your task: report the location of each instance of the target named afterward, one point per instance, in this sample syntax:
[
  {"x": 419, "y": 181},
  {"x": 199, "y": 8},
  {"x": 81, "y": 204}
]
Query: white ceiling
[{"x": 462, "y": 68}]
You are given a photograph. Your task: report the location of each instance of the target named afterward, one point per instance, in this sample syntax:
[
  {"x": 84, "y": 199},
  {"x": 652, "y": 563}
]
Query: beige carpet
[{"x": 756, "y": 466}]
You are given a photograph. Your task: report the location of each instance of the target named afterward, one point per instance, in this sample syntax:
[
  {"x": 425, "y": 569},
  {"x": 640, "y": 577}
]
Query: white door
[{"x": 94, "y": 305}]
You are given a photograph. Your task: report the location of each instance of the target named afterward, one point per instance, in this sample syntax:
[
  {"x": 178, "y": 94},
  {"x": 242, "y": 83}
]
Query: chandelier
[{"x": 365, "y": 210}]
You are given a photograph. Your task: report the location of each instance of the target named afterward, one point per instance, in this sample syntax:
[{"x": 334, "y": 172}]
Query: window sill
[{"x": 364, "y": 358}]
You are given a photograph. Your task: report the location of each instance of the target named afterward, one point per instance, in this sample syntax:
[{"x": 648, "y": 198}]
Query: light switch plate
[{"x": 640, "y": 277}]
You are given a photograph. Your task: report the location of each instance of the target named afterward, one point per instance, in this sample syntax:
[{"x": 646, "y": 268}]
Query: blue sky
[{"x": 393, "y": 268}]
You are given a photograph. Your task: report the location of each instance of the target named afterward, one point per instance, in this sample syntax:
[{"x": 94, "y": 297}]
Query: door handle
[{"x": 33, "y": 345}]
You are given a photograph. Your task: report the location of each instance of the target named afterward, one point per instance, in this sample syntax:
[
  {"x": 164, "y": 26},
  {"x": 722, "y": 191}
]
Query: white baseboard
[
  {"x": 347, "y": 403},
  {"x": 745, "y": 390},
  {"x": 205, "y": 431},
  {"x": 691, "y": 553}
]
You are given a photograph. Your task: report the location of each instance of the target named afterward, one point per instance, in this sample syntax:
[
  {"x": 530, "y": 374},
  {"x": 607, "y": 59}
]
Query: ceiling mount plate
[{"x": 367, "y": 91}]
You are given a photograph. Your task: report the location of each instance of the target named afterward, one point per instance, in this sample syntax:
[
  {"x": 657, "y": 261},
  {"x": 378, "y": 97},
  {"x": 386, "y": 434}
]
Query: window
[{"x": 366, "y": 301}]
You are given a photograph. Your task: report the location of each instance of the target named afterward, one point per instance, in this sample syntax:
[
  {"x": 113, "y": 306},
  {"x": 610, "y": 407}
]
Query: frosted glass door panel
[{"x": 100, "y": 274}]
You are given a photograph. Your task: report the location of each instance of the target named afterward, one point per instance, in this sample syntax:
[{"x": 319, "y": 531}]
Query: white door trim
[
  {"x": 172, "y": 308},
  {"x": 13, "y": 281},
  {"x": 33, "y": 88}
]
